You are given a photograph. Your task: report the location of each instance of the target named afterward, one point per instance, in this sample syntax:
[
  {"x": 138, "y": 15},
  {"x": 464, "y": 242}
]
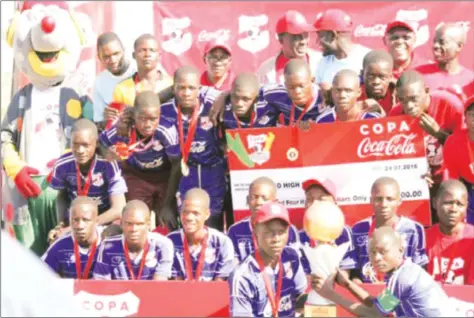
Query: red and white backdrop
[{"x": 184, "y": 27}]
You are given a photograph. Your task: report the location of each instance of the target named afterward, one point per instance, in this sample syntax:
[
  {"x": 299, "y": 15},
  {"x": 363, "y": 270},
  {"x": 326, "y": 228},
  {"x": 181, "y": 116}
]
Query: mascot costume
[{"x": 47, "y": 42}]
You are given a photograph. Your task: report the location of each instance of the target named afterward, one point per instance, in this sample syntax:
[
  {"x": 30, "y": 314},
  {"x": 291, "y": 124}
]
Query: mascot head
[{"x": 46, "y": 40}]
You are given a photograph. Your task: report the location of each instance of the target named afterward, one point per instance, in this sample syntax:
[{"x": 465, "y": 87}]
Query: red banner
[
  {"x": 391, "y": 147},
  {"x": 185, "y": 299},
  {"x": 250, "y": 27}
]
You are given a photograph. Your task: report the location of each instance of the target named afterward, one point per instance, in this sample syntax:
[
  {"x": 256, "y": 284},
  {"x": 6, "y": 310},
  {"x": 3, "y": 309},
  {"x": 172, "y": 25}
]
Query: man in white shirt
[
  {"x": 293, "y": 34},
  {"x": 334, "y": 29},
  {"x": 110, "y": 52}
]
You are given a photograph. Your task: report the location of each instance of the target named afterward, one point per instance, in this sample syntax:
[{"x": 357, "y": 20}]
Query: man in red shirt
[
  {"x": 447, "y": 72},
  {"x": 378, "y": 80},
  {"x": 400, "y": 39},
  {"x": 459, "y": 156},
  {"x": 450, "y": 243},
  {"x": 218, "y": 59},
  {"x": 440, "y": 114}
]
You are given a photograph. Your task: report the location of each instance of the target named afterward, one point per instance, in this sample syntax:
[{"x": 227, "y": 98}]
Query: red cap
[
  {"x": 469, "y": 101},
  {"x": 293, "y": 22},
  {"x": 271, "y": 211},
  {"x": 399, "y": 24},
  {"x": 334, "y": 20},
  {"x": 214, "y": 44},
  {"x": 27, "y": 5},
  {"x": 326, "y": 185}
]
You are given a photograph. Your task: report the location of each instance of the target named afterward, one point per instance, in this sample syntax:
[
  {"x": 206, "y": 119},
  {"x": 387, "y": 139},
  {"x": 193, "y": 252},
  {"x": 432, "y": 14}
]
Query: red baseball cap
[
  {"x": 399, "y": 24},
  {"x": 327, "y": 185},
  {"x": 217, "y": 44},
  {"x": 469, "y": 102},
  {"x": 334, "y": 20},
  {"x": 293, "y": 22},
  {"x": 271, "y": 211}
]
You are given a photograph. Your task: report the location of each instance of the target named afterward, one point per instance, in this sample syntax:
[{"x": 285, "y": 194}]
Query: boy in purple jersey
[
  {"x": 269, "y": 281},
  {"x": 137, "y": 254},
  {"x": 345, "y": 92},
  {"x": 83, "y": 173},
  {"x": 385, "y": 199},
  {"x": 246, "y": 108},
  {"x": 316, "y": 190},
  {"x": 298, "y": 101},
  {"x": 261, "y": 191},
  {"x": 149, "y": 156},
  {"x": 410, "y": 291},
  {"x": 203, "y": 164},
  {"x": 201, "y": 253},
  {"x": 80, "y": 244}
]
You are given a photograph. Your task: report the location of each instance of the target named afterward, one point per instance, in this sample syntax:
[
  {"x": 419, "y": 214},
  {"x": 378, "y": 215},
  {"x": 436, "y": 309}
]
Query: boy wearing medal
[
  {"x": 385, "y": 200},
  {"x": 345, "y": 91},
  {"x": 268, "y": 282},
  {"x": 203, "y": 164},
  {"x": 450, "y": 243},
  {"x": 261, "y": 191},
  {"x": 74, "y": 254},
  {"x": 296, "y": 102},
  {"x": 410, "y": 291},
  {"x": 201, "y": 253},
  {"x": 149, "y": 157},
  {"x": 458, "y": 154},
  {"x": 137, "y": 254},
  {"x": 82, "y": 172}
]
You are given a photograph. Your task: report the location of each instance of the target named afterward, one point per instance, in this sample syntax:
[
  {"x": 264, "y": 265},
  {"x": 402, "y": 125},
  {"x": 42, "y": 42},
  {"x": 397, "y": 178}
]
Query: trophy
[{"x": 323, "y": 222}]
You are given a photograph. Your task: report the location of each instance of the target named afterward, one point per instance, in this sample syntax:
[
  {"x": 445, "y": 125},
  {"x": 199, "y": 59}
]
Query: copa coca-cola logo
[
  {"x": 397, "y": 144},
  {"x": 374, "y": 30}
]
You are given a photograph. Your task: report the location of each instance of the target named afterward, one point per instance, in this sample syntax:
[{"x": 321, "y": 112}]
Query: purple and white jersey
[
  {"x": 265, "y": 116},
  {"x": 330, "y": 116},
  {"x": 205, "y": 148},
  {"x": 414, "y": 242},
  {"x": 419, "y": 294},
  {"x": 277, "y": 96},
  {"x": 240, "y": 234},
  {"x": 347, "y": 262},
  {"x": 106, "y": 180},
  {"x": 218, "y": 260},
  {"x": 153, "y": 155},
  {"x": 111, "y": 263},
  {"x": 61, "y": 259},
  {"x": 248, "y": 296}
]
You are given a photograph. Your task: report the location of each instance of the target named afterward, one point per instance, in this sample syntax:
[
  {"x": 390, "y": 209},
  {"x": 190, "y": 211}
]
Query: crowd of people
[{"x": 144, "y": 191}]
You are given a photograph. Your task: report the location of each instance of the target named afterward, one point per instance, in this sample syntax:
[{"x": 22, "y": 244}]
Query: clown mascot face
[{"x": 47, "y": 42}]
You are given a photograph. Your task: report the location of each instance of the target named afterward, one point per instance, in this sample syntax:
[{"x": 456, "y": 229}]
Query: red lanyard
[
  {"x": 273, "y": 298},
  {"x": 237, "y": 120},
  {"x": 444, "y": 276},
  {"x": 83, "y": 191},
  {"x": 186, "y": 146},
  {"x": 372, "y": 226},
  {"x": 187, "y": 258},
  {"x": 90, "y": 259},
  {"x": 129, "y": 262},
  {"x": 292, "y": 113}
]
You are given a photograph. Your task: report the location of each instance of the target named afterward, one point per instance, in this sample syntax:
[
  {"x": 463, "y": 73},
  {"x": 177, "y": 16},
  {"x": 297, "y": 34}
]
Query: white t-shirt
[
  {"x": 329, "y": 65},
  {"x": 103, "y": 90},
  {"x": 47, "y": 139}
]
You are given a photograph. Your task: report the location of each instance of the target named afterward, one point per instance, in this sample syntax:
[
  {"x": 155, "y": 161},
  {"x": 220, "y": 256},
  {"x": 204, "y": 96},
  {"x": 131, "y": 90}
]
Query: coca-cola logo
[
  {"x": 374, "y": 30},
  {"x": 221, "y": 34},
  {"x": 396, "y": 146},
  {"x": 399, "y": 144}
]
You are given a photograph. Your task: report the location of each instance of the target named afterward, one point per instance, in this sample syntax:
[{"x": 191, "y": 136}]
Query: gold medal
[{"x": 184, "y": 168}]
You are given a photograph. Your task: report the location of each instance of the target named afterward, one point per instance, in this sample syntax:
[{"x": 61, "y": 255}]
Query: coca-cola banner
[
  {"x": 347, "y": 156},
  {"x": 185, "y": 27}
]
